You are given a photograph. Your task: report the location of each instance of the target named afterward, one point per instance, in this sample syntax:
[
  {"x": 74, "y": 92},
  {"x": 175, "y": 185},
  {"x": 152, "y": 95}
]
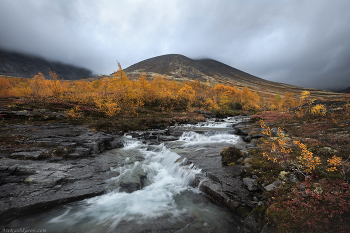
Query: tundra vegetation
[{"x": 311, "y": 144}]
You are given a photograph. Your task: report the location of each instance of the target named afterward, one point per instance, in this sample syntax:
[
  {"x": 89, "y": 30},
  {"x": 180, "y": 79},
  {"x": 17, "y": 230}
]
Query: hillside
[
  {"x": 347, "y": 90},
  {"x": 179, "y": 67},
  {"x": 21, "y": 65}
]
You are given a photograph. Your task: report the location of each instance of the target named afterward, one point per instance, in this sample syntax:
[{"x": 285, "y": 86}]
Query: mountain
[
  {"x": 179, "y": 67},
  {"x": 22, "y": 65},
  {"x": 347, "y": 90}
]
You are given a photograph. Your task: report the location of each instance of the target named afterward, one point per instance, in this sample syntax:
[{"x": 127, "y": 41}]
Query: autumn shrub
[
  {"x": 318, "y": 109},
  {"x": 277, "y": 147},
  {"x": 322, "y": 206},
  {"x": 109, "y": 107},
  {"x": 4, "y": 87},
  {"x": 38, "y": 87},
  {"x": 74, "y": 113}
]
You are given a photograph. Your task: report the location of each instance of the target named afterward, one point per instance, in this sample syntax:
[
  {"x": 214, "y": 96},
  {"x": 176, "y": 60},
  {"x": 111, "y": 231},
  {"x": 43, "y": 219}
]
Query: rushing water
[{"x": 167, "y": 201}]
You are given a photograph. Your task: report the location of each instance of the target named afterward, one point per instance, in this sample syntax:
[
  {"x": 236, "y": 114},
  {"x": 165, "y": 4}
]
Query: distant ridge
[
  {"x": 22, "y": 65},
  {"x": 179, "y": 67},
  {"x": 347, "y": 90}
]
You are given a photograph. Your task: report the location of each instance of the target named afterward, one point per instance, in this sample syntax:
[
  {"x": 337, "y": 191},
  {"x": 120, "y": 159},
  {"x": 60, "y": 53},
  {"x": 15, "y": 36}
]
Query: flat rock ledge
[{"x": 50, "y": 165}]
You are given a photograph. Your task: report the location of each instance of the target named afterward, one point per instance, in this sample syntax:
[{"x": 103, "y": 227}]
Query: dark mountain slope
[
  {"x": 22, "y": 65},
  {"x": 347, "y": 90},
  {"x": 179, "y": 67}
]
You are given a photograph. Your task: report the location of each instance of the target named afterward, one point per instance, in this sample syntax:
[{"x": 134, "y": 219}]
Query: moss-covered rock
[
  {"x": 230, "y": 155},
  {"x": 243, "y": 211}
]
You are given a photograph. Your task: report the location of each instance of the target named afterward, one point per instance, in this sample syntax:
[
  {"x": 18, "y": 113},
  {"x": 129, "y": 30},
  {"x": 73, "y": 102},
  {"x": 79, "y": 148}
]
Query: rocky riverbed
[{"x": 56, "y": 163}]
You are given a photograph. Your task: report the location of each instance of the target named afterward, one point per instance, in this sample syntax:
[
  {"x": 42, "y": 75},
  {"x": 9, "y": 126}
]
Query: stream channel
[{"x": 166, "y": 200}]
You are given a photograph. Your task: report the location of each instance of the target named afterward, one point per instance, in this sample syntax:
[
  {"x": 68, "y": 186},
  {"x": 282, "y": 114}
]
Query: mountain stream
[{"x": 151, "y": 190}]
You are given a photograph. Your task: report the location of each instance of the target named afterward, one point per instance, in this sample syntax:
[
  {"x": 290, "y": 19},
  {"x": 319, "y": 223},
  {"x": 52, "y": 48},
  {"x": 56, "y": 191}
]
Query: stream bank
[{"x": 57, "y": 164}]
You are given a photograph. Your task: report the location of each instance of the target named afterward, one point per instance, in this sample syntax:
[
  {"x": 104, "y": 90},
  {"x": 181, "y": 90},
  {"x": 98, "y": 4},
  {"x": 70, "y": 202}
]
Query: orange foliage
[
  {"x": 55, "y": 85},
  {"x": 4, "y": 87},
  {"x": 38, "y": 87},
  {"x": 119, "y": 94}
]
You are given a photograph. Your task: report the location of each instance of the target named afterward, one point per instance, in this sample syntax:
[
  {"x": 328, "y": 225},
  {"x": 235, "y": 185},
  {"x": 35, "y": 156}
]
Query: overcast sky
[{"x": 300, "y": 42}]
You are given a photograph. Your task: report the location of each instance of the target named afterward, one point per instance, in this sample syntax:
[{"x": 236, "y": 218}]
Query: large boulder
[
  {"x": 230, "y": 155},
  {"x": 251, "y": 184}
]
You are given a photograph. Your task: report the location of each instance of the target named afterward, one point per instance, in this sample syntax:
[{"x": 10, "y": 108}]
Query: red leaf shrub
[{"x": 322, "y": 206}]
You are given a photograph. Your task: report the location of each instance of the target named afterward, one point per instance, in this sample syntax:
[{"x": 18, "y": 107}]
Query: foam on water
[
  {"x": 167, "y": 179},
  {"x": 192, "y": 138}
]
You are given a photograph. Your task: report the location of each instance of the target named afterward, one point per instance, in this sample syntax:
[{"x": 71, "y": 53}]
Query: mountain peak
[{"x": 180, "y": 67}]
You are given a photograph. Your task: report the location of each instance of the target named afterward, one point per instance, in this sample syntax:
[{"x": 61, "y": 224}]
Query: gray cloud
[{"x": 298, "y": 42}]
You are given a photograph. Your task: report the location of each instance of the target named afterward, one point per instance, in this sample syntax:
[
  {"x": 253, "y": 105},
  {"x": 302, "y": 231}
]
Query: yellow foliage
[
  {"x": 304, "y": 95},
  {"x": 224, "y": 101},
  {"x": 307, "y": 159},
  {"x": 38, "y": 86},
  {"x": 4, "y": 87},
  {"x": 74, "y": 113},
  {"x": 267, "y": 130},
  {"x": 278, "y": 151},
  {"x": 109, "y": 107},
  {"x": 333, "y": 163},
  {"x": 55, "y": 85},
  {"x": 318, "y": 110}
]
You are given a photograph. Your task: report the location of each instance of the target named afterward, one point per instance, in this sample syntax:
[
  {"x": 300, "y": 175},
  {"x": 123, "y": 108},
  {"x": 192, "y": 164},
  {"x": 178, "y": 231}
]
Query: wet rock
[
  {"x": 250, "y": 184},
  {"x": 13, "y": 168},
  {"x": 24, "y": 170},
  {"x": 167, "y": 138},
  {"x": 270, "y": 187},
  {"x": 116, "y": 143},
  {"x": 27, "y": 155},
  {"x": 255, "y": 136},
  {"x": 293, "y": 178},
  {"x": 44, "y": 185},
  {"x": 267, "y": 229},
  {"x": 251, "y": 224},
  {"x": 239, "y": 131},
  {"x": 80, "y": 152},
  {"x": 275, "y": 133},
  {"x": 273, "y": 186},
  {"x": 131, "y": 182},
  {"x": 237, "y": 170},
  {"x": 247, "y": 138}
]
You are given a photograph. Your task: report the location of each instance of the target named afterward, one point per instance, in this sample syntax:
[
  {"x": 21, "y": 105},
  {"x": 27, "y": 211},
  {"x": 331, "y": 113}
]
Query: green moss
[
  {"x": 266, "y": 170},
  {"x": 230, "y": 155},
  {"x": 258, "y": 212},
  {"x": 243, "y": 211}
]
